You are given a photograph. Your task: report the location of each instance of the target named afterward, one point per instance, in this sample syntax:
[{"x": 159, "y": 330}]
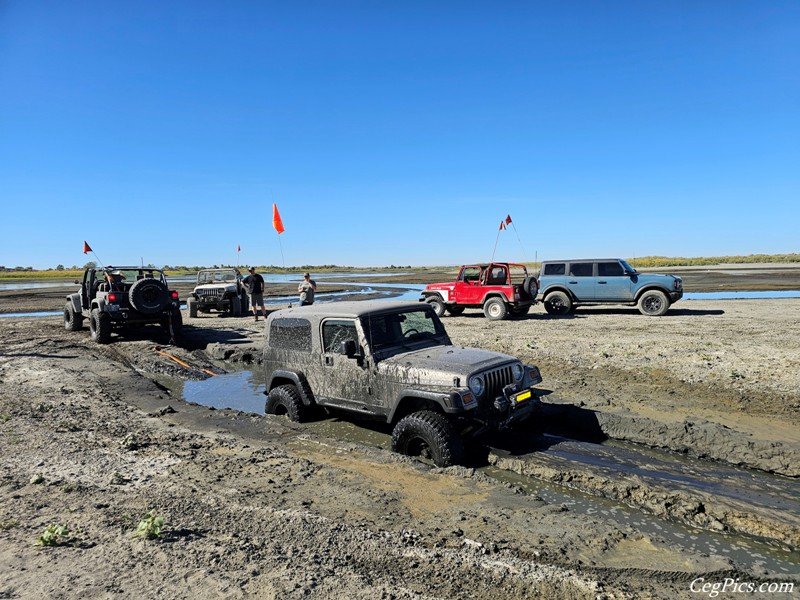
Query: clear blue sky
[{"x": 396, "y": 132}]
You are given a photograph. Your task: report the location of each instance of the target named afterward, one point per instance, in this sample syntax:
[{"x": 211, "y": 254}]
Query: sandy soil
[{"x": 91, "y": 437}]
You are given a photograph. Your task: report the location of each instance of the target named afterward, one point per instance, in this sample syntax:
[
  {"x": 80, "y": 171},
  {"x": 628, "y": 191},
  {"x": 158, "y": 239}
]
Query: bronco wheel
[
  {"x": 653, "y": 303},
  {"x": 429, "y": 435},
  {"x": 148, "y": 296},
  {"x": 191, "y": 308},
  {"x": 557, "y": 303},
  {"x": 454, "y": 310},
  {"x": 495, "y": 309},
  {"x": 437, "y": 304},
  {"x": 285, "y": 400},
  {"x": 99, "y": 326},
  {"x": 72, "y": 321}
]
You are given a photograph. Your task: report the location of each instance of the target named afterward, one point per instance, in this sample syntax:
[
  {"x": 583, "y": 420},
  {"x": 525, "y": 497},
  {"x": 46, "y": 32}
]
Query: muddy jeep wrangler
[
  {"x": 499, "y": 289},
  {"x": 220, "y": 290},
  {"x": 115, "y": 297},
  {"x": 393, "y": 362}
]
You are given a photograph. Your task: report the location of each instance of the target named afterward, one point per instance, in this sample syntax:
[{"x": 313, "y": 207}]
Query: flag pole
[
  {"x": 280, "y": 245},
  {"x": 496, "y": 240}
]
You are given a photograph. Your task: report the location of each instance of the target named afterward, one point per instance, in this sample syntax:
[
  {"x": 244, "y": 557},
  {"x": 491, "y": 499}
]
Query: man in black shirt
[{"x": 255, "y": 286}]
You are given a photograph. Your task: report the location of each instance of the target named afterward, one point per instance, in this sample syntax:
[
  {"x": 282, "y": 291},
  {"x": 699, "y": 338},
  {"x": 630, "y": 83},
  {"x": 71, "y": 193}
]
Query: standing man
[
  {"x": 307, "y": 288},
  {"x": 255, "y": 285}
]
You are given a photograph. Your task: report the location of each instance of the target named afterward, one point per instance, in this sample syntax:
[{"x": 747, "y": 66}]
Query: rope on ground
[{"x": 181, "y": 363}]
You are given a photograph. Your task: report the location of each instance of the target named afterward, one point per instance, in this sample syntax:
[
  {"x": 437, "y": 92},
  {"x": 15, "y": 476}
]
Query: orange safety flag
[
  {"x": 508, "y": 220},
  {"x": 86, "y": 248},
  {"x": 276, "y": 219},
  {"x": 502, "y": 225}
]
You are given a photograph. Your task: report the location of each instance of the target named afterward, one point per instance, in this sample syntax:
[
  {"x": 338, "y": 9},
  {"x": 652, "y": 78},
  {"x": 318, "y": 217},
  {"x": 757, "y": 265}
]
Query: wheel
[
  {"x": 177, "y": 322},
  {"x": 653, "y": 303},
  {"x": 437, "y": 304},
  {"x": 149, "y": 296},
  {"x": 285, "y": 400},
  {"x": 99, "y": 326},
  {"x": 495, "y": 309},
  {"x": 191, "y": 308},
  {"x": 236, "y": 307},
  {"x": 557, "y": 303},
  {"x": 519, "y": 311},
  {"x": 531, "y": 287},
  {"x": 429, "y": 435},
  {"x": 244, "y": 303},
  {"x": 455, "y": 310},
  {"x": 72, "y": 321}
]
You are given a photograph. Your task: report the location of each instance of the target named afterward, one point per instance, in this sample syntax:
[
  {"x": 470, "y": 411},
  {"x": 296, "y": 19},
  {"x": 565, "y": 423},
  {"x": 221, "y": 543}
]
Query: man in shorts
[{"x": 255, "y": 287}]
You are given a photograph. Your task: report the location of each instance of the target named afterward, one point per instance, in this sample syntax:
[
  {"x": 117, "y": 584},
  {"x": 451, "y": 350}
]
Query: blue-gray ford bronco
[
  {"x": 565, "y": 284},
  {"x": 394, "y": 362}
]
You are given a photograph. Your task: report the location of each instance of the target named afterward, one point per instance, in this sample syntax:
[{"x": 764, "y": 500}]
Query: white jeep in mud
[
  {"x": 393, "y": 362},
  {"x": 220, "y": 290}
]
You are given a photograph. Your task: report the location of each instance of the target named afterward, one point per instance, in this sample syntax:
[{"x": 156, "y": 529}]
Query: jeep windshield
[
  {"x": 216, "y": 277},
  {"x": 401, "y": 328}
]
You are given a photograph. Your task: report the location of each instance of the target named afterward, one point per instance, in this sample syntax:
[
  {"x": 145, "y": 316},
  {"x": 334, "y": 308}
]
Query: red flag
[
  {"x": 508, "y": 220},
  {"x": 276, "y": 219},
  {"x": 239, "y": 248},
  {"x": 502, "y": 225},
  {"x": 86, "y": 248}
]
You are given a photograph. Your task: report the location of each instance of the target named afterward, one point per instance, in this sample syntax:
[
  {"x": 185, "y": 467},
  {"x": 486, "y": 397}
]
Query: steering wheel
[{"x": 411, "y": 331}]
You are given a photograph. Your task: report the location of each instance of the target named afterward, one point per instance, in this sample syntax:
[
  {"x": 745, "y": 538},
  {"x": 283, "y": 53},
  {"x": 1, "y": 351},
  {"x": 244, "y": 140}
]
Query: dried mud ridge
[{"x": 260, "y": 507}]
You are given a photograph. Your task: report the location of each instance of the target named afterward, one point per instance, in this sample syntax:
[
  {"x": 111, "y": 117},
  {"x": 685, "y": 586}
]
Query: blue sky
[{"x": 396, "y": 132}]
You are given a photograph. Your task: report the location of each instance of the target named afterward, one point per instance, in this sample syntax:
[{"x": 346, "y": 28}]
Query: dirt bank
[{"x": 259, "y": 507}]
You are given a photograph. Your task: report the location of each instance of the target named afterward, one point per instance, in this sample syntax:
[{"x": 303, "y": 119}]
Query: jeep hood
[
  {"x": 215, "y": 286},
  {"x": 439, "y": 364}
]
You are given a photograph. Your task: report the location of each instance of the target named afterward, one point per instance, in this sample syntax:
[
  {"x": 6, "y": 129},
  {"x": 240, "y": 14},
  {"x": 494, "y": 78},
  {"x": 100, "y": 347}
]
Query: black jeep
[{"x": 118, "y": 296}]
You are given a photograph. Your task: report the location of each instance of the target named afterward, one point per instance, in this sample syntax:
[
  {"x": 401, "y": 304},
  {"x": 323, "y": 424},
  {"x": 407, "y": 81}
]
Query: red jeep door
[{"x": 468, "y": 286}]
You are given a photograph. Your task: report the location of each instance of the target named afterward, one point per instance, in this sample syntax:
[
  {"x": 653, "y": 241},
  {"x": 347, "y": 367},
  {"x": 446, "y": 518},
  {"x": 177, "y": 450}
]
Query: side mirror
[{"x": 348, "y": 348}]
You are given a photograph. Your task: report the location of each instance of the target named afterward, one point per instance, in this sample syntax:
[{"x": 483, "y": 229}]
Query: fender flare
[
  {"x": 489, "y": 295},
  {"x": 75, "y": 299},
  {"x": 298, "y": 379},
  {"x": 556, "y": 288},
  {"x": 651, "y": 288},
  {"x": 441, "y": 399}
]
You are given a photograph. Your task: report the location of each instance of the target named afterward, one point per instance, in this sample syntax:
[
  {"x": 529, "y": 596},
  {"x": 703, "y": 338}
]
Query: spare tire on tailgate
[
  {"x": 531, "y": 287},
  {"x": 149, "y": 296}
]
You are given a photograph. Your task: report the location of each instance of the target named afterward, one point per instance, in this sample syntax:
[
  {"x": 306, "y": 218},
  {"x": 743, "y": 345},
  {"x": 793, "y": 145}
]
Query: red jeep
[{"x": 500, "y": 289}]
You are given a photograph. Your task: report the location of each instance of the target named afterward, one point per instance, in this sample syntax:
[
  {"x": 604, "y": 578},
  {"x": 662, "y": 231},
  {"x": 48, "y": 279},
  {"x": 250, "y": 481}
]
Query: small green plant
[
  {"x": 150, "y": 526},
  {"x": 54, "y": 535}
]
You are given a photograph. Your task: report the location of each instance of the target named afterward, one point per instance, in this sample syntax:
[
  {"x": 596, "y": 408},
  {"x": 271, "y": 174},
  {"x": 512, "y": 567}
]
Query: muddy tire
[
  {"x": 245, "y": 304},
  {"x": 191, "y": 308},
  {"x": 653, "y": 303},
  {"x": 149, "y": 296},
  {"x": 236, "y": 307},
  {"x": 558, "y": 303},
  {"x": 177, "y": 322},
  {"x": 437, "y": 304},
  {"x": 99, "y": 326},
  {"x": 285, "y": 400},
  {"x": 429, "y": 435},
  {"x": 495, "y": 309},
  {"x": 454, "y": 310},
  {"x": 72, "y": 321}
]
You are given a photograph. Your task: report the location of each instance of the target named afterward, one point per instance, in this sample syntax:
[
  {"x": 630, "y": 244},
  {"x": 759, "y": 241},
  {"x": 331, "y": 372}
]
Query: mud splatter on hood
[{"x": 438, "y": 365}]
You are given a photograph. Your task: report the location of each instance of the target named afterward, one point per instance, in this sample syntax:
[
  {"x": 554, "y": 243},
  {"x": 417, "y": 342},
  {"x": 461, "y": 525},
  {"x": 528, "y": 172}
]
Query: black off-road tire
[
  {"x": 99, "y": 326},
  {"x": 285, "y": 400},
  {"x": 245, "y": 304},
  {"x": 558, "y": 303},
  {"x": 149, "y": 296},
  {"x": 430, "y": 435},
  {"x": 495, "y": 309},
  {"x": 236, "y": 307},
  {"x": 72, "y": 321},
  {"x": 531, "y": 287},
  {"x": 437, "y": 304},
  {"x": 653, "y": 303},
  {"x": 454, "y": 310},
  {"x": 177, "y": 321},
  {"x": 191, "y": 308}
]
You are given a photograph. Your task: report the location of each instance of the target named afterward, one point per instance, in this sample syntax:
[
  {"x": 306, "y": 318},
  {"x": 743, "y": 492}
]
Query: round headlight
[
  {"x": 517, "y": 371},
  {"x": 476, "y": 385}
]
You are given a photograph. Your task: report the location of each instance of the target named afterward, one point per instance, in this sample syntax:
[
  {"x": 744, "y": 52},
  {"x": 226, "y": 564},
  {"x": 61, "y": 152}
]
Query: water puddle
[{"x": 240, "y": 390}]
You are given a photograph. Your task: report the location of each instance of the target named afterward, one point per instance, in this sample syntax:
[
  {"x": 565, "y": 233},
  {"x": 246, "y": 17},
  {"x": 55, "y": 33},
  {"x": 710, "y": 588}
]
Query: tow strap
[{"x": 181, "y": 363}]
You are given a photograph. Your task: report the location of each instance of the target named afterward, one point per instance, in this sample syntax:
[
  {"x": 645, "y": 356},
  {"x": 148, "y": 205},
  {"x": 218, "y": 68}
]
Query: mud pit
[{"x": 94, "y": 437}]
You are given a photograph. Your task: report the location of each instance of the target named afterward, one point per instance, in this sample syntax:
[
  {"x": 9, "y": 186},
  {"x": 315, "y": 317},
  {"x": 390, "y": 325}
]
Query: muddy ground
[{"x": 94, "y": 437}]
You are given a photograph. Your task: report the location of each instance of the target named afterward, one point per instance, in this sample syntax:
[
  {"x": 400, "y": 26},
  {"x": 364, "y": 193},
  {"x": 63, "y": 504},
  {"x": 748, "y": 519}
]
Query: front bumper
[
  {"x": 519, "y": 405},
  {"x": 675, "y": 296}
]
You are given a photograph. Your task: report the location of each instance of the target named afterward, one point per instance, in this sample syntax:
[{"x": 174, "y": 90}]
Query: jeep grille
[
  {"x": 211, "y": 293},
  {"x": 496, "y": 380}
]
